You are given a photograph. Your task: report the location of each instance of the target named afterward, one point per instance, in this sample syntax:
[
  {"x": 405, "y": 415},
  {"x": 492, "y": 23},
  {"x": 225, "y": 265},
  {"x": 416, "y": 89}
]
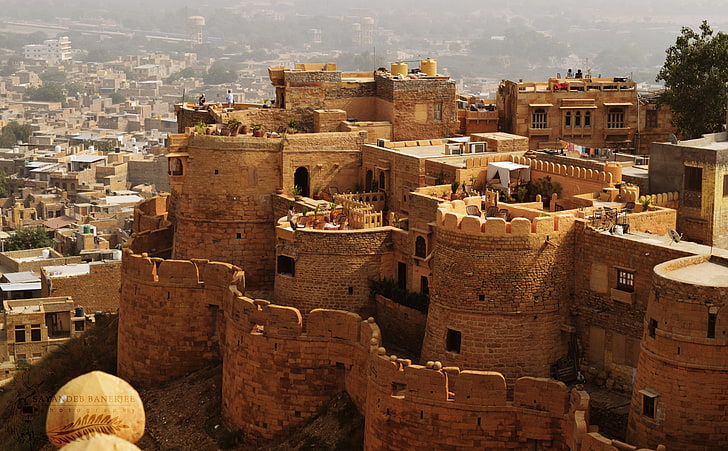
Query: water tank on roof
[
  {"x": 80, "y": 312},
  {"x": 428, "y": 67},
  {"x": 45, "y": 253},
  {"x": 58, "y": 148},
  {"x": 91, "y": 148},
  {"x": 399, "y": 69}
]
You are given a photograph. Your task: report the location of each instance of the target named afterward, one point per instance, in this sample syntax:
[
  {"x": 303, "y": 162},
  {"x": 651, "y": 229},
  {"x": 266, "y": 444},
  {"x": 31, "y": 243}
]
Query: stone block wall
[
  {"x": 169, "y": 317},
  {"x": 506, "y": 297},
  {"x": 275, "y": 377},
  {"x": 683, "y": 371},
  {"x": 152, "y": 171},
  {"x": 401, "y": 325},
  {"x": 96, "y": 291},
  {"x": 610, "y": 322},
  {"x": 403, "y": 173},
  {"x": 333, "y": 269},
  {"x": 222, "y": 202}
]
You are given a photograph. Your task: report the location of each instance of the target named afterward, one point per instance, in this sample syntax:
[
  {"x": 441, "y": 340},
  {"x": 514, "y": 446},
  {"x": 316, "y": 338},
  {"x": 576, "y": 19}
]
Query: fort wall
[
  {"x": 501, "y": 304},
  {"x": 169, "y": 320},
  {"x": 682, "y": 373},
  {"x": 221, "y": 203},
  {"x": 276, "y": 376},
  {"x": 333, "y": 268}
]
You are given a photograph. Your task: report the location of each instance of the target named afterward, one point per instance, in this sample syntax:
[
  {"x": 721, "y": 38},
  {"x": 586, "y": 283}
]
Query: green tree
[
  {"x": 30, "y": 238},
  {"x": 50, "y": 92},
  {"x": 14, "y": 132},
  {"x": 219, "y": 73},
  {"x": 4, "y": 192},
  {"x": 117, "y": 97},
  {"x": 695, "y": 73}
]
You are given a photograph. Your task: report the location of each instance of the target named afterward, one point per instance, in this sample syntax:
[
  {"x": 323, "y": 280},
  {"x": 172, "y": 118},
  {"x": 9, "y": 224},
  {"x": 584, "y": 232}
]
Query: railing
[{"x": 362, "y": 215}]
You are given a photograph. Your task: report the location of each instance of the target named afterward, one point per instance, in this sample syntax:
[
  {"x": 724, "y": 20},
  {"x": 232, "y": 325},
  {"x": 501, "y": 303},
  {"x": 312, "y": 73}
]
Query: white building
[{"x": 51, "y": 51}]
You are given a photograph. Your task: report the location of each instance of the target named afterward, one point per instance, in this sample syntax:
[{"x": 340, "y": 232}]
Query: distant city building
[{"x": 51, "y": 51}]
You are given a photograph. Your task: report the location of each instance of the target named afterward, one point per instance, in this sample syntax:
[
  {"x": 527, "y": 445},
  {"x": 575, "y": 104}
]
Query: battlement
[
  {"x": 182, "y": 273},
  {"x": 452, "y": 216}
]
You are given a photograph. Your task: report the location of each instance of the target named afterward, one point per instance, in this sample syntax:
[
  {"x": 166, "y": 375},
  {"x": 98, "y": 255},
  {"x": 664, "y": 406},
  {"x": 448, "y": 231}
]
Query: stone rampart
[
  {"x": 682, "y": 372},
  {"x": 452, "y": 216},
  {"x": 168, "y": 316},
  {"x": 500, "y": 304},
  {"x": 332, "y": 269},
  {"x": 276, "y": 376}
]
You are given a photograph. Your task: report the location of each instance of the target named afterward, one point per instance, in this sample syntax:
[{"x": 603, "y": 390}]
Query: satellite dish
[
  {"x": 676, "y": 237},
  {"x": 673, "y": 138}
]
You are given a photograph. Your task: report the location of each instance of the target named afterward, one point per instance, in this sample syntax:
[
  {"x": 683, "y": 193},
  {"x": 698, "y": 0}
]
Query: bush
[{"x": 390, "y": 289}]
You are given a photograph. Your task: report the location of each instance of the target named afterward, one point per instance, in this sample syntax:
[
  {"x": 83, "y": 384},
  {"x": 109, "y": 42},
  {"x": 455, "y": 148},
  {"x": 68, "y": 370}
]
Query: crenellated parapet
[
  {"x": 178, "y": 300},
  {"x": 278, "y": 370},
  {"x": 452, "y": 217}
]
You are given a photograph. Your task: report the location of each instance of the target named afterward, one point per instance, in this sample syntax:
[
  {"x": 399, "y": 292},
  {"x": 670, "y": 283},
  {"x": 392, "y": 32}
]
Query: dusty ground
[{"x": 185, "y": 415}]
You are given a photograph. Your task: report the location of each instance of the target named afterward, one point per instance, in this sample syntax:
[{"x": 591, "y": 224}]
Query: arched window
[
  {"x": 577, "y": 119},
  {"x": 567, "y": 119},
  {"x": 420, "y": 247},
  {"x": 587, "y": 119},
  {"x": 175, "y": 166},
  {"x": 300, "y": 179}
]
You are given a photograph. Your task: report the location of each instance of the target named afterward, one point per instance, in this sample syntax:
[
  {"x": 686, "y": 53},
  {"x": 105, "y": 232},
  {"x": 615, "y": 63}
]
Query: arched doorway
[
  {"x": 300, "y": 179},
  {"x": 368, "y": 180}
]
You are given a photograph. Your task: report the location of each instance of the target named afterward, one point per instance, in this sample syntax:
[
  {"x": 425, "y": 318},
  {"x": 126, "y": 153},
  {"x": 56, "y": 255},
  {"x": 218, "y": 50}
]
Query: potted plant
[
  {"x": 332, "y": 213},
  {"x": 293, "y": 126},
  {"x": 234, "y": 126},
  {"x": 244, "y": 129},
  {"x": 317, "y": 192},
  {"x": 200, "y": 127},
  {"x": 257, "y": 130},
  {"x": 296, "y": 191},
  {"x": 454, "y": 186},
  {"x": 279, "y": 190},
  {"x": 646, "y": 203}
]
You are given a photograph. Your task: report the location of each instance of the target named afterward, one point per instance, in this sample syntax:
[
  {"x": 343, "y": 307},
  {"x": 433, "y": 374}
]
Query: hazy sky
[{"x": 613, "y": 37}]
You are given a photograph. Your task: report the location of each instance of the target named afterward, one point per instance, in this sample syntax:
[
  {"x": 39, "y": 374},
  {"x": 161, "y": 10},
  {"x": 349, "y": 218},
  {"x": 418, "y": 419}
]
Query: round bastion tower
[
  {"x": 499, "y": 293},
  {"x": 680, "y": 393},
  {"x": 221, "y": 201}
]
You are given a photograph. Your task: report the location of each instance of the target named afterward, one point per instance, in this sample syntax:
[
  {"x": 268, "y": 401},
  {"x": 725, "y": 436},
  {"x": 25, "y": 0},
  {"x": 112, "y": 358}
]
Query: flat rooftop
[
  {"x": 687, "y": 246},
  {"x": 705, "y": 273}
]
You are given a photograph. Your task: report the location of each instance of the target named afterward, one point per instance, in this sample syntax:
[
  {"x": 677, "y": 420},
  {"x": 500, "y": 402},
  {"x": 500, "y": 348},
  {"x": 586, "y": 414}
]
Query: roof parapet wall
[{"x": 452, "y": 216}]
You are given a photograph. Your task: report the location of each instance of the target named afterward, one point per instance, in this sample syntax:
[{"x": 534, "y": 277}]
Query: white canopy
[{"x": 502, "y": 170}]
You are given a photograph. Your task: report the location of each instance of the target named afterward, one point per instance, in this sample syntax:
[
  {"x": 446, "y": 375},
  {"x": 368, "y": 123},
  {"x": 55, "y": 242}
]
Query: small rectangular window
[
  {"x": 35, "y": 332},
  {"x": 625, "y": 280},
  {"x": 402, "y": 275},
  {"x": 712, "y": 317},
  {"x": 651, "y": 119},
  {"x": 648, "y": 406},
  {"x": 453, "y": 341},
  {"x": 437, "y": 112},
  {"x": 652, "y": 327},
  {"x": 286, "y": 265},
  {"x": 20, "y": 334},
  {"x": 693, "y": 178}
]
